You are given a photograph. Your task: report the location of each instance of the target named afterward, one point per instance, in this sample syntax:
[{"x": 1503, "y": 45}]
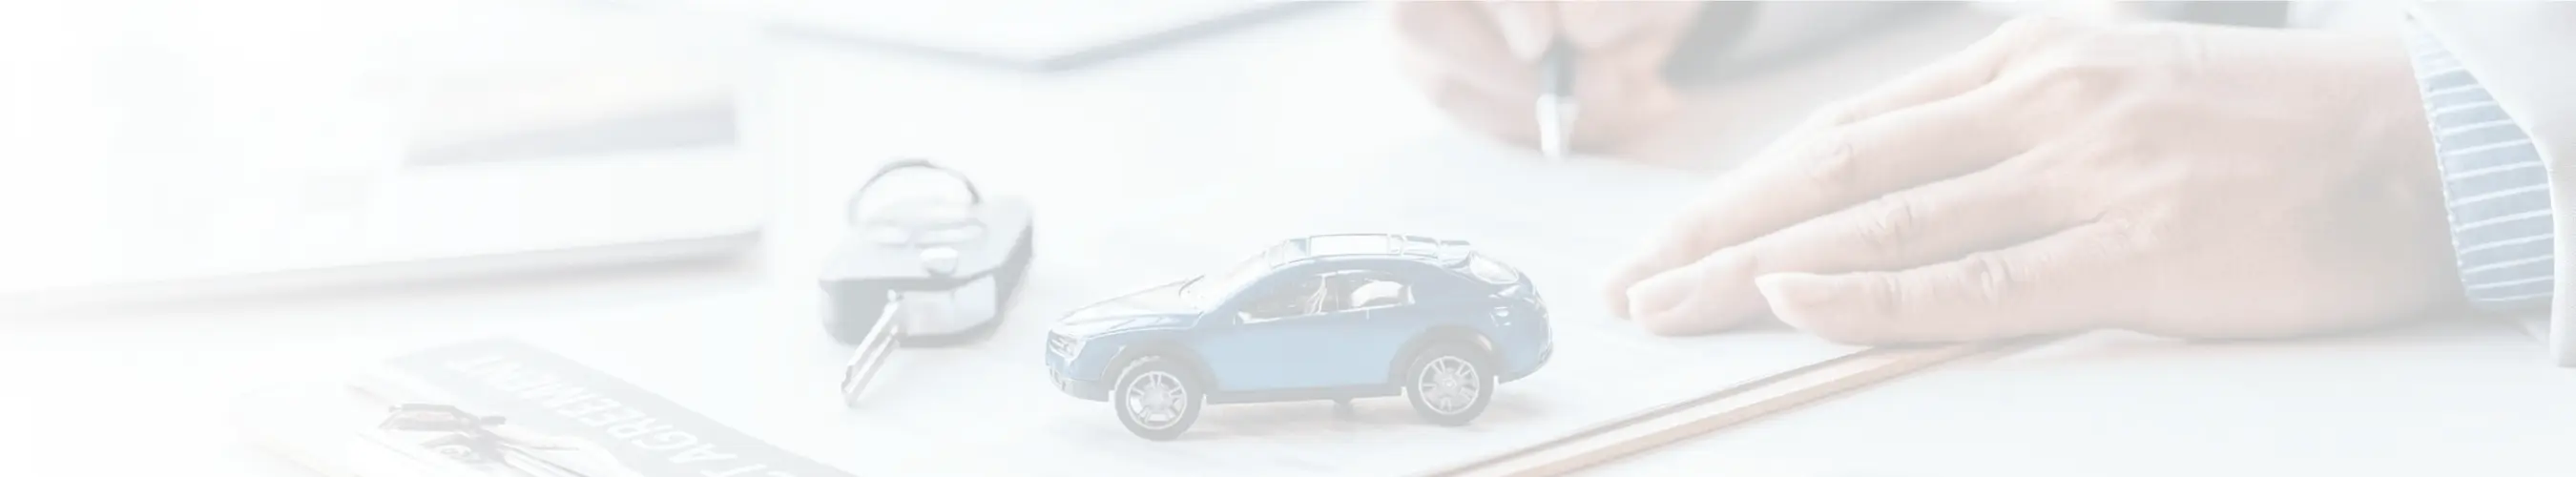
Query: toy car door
[
  {"x": 1271, "y": 328},
  {"x": 1371, "y": 314}
]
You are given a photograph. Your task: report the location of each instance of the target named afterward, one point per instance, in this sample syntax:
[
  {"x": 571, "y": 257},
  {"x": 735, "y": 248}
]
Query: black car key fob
[{"x": 949, "y": 263}]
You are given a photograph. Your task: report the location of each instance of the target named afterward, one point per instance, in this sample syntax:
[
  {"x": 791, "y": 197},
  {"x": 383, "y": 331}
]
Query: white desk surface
[
  {"x": 146, "y": 390},
  {"x": 2443, "y": 397}
]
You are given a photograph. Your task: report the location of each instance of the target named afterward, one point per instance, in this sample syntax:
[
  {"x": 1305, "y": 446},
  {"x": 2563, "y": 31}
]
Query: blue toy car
[{"x": 1330, "y": 317}]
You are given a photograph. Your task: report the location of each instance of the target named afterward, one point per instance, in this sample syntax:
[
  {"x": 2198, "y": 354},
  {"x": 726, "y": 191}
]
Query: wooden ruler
[{"x": 1736, "y": 404}]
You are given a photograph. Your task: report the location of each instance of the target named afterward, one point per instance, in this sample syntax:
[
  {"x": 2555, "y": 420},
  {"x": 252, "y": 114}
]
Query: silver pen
[{"x": 1556, "y": 102}]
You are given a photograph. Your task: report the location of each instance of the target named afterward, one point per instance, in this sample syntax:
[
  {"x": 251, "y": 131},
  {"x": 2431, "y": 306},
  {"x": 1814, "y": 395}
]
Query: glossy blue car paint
[{"x": 1289, "y": 324}]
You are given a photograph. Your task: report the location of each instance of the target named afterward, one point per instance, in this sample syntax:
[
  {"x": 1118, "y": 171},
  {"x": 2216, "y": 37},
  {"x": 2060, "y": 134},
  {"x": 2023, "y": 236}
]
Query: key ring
[
  {"x": 850, "y": 208},
  {"x": 918, "y": 225},
  {"x": 921, "y": 272}
]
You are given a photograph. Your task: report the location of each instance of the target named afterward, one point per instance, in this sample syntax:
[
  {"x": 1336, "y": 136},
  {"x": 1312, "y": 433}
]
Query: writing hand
[
  {"x": 2191, "y": 181},
  {"x": 1478, "y": 61}
]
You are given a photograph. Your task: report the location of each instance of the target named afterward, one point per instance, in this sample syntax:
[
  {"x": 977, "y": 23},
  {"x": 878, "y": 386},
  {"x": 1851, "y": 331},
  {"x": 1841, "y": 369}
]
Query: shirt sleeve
[{"x": 2494, "y": 182}]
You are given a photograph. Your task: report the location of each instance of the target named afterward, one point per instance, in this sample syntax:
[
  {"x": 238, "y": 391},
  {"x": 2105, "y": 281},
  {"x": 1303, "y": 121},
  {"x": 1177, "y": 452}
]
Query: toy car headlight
[
  {"x": 1073, "y": 345},
  {"x": 1066, "y": 345},
  {"x": 1085, "y": 329}
]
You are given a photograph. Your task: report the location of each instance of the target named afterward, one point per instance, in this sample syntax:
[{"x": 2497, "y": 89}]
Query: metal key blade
[{"x": 872, "y": 352}]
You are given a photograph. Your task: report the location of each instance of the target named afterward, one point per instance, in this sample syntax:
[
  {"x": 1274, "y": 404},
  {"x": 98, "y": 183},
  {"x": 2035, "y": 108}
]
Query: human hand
[
  {"x": 1478, "y": 61},
  {"x": 2182, "y": 180}
]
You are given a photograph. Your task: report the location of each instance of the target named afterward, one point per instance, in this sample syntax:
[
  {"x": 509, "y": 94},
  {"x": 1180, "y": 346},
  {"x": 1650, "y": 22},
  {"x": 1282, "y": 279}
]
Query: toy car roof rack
[
  {"x": 1444, "y": 251},
  {"x": 1447, "y": 252}
]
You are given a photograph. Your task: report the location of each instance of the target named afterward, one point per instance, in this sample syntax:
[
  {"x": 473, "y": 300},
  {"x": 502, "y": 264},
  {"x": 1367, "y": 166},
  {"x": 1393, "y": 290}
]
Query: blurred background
[
  {"x": 160, "y": 141},
  {"x": 159, "y": 149},
  {"x": 156, "y": 141}
]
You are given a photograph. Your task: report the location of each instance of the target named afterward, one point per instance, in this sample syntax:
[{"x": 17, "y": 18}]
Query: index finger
[
  {"x": 1977, "y": 64},
  {"x": 1820, "y": 170},
  {"x": 1711, "y": 224}
]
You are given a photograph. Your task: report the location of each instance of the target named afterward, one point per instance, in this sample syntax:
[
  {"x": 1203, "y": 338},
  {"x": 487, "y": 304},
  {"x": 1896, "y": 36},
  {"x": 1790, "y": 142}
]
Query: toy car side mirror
[{"x": 1242, "y": 310}]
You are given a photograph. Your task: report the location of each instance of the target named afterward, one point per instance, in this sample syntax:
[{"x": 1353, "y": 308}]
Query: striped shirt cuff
[{"x": 2494, "y": 183}]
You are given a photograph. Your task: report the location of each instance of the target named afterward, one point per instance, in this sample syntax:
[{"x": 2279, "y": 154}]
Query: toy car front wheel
[
  {"x": 1157, "y": 398},
  {"x": 1449, "y": 384}
]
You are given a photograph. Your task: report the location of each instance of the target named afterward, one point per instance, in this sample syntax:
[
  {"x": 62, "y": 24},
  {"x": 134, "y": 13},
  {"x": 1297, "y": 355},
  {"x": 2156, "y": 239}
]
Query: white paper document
[
  {"x": 759, "y": 363},
  {"x": 1147, "y": 195}
]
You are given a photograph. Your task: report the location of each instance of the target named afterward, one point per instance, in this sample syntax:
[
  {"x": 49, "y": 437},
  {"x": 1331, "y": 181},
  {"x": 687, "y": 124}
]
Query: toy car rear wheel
[
  {"x": 1450, "y": 383},
  {"x": 1157, "y": 398}
]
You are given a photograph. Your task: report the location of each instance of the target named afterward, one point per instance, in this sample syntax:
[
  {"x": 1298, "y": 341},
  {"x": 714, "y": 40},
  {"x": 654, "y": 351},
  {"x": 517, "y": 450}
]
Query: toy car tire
[
  {"x": 1449, "y": 383},
  {"x": 1155, "y": 376}
]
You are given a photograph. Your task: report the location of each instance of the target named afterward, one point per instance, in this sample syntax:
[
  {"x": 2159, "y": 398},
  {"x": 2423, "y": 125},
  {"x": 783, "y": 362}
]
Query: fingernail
[
  {"x": 1793, "y": 289},
  {"x": 1658, "y": 294},
  {"x": 1614, "y": 289},
  {"x": 1616, "y": 297}
]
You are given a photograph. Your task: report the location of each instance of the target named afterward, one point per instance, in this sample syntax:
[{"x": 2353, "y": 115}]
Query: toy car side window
[
  {"x": 1360, "y": 289},
  {"x": 1287, "y": 298}
]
